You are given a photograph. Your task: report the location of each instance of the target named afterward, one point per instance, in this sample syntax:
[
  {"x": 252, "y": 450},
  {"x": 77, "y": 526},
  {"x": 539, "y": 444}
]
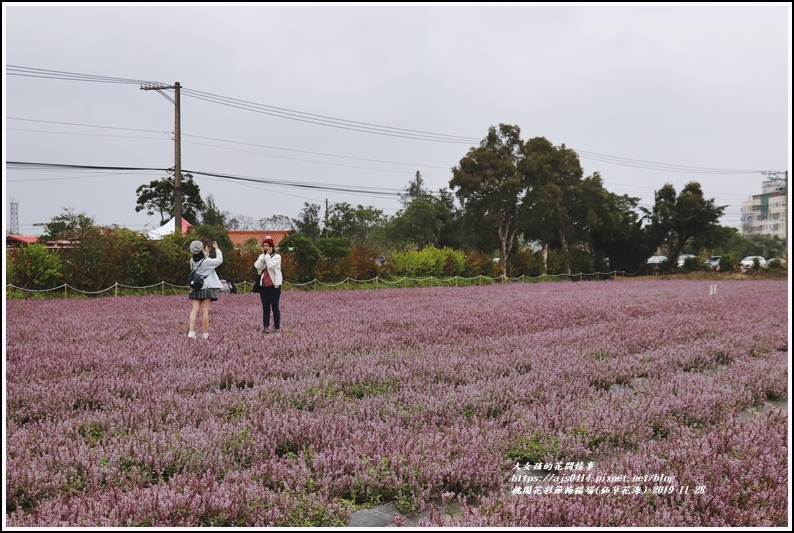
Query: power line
[
  {"x": 371, "y": 191},
  {"x": 323, "y": 120}
]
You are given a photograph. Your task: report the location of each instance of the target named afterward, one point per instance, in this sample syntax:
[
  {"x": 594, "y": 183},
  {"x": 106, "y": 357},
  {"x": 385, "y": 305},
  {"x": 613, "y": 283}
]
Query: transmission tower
[{"x": 14, "y": 217}]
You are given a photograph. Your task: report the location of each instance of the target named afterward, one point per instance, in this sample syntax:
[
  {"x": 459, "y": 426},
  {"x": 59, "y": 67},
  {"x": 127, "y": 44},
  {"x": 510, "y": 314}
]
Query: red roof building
[{"x": 18, "y": 241}]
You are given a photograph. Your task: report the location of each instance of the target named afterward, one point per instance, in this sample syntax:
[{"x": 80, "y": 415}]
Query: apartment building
[{"x": 765, "y": 213}]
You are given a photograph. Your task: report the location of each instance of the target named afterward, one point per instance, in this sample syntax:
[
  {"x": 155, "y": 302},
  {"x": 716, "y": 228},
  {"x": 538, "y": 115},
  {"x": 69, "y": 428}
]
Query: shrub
[{"x": 34, "y": 267}]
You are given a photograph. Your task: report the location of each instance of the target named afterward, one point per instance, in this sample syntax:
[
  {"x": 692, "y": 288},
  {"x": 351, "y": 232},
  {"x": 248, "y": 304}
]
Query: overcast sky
[{"x": 361, "y": 97}]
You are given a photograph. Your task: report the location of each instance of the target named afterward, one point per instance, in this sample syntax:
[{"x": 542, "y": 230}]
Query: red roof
[
  {"x": 23, "y": 238},
  {"x": 20, "y": 240},
  {"x": 239, "y": 237}
]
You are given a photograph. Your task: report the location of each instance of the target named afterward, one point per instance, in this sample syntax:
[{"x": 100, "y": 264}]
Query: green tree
[
  {"x": 34, "y": 267},
  {"x": 418, "y": 224},
  {"x": 67, "y": 226},
  {"x": 360, "y": 225},
  {"x": 423, "y": 217},
  {"x": 213, "y": 216},
  {"x": 617, "y": 238},
  {"x": 299, "y": 257},
  {"x": 333, "y": 252},
  {"x": 158, "y": 197},
  {"x": 767, "y": 246},
  {"x": 677, "y": 221},
  {"x": 491, "y": 187},
  {"x": 125, "y": 258},
  {"x": 451, "y": 234},
  {"x": 560, "y": 207},
  {"x": 308, "y": 221}
]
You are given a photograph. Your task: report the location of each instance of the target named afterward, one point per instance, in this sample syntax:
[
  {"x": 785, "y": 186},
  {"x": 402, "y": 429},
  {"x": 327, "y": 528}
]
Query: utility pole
[
  {"x": 775, "y": 175},
  {"x": 177, "y": 146}
]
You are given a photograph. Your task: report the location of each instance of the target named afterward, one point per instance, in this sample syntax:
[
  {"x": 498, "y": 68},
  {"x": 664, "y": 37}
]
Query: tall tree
[
  {"x": 308, "y": 221},
  {"x": 213, "y": 216},
  {"x": 617, "y": 237},
  {"x": 415, "y": 189},
  {"x": 359, "y": 225},
  {"x": 419, "y": 223},
  {"x": 158, "y": 197},
  {"x": 491, "y": 187},
  {"x": 676, "y": 221},
  {"x": 557, "y": 205},
  {"x": 423, "y": 217}
]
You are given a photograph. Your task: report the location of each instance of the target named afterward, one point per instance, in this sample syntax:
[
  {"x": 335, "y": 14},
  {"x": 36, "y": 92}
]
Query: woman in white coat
[{"x": 268, "y": 265}]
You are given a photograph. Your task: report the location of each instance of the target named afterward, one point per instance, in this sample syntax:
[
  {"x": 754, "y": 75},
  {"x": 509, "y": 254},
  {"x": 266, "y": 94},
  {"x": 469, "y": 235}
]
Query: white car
[
  {"x": 682, "y": 259},
  {"x": 657, "y": 259},
  {"x": 749, "y": 261}
]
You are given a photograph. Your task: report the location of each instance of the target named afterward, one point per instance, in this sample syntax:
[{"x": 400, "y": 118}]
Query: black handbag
[{"x": 257, "y": 287}]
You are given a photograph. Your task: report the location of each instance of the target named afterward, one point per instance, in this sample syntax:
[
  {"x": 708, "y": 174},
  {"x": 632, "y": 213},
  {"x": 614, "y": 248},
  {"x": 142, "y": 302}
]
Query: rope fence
[{"x": 164, "y": 287}]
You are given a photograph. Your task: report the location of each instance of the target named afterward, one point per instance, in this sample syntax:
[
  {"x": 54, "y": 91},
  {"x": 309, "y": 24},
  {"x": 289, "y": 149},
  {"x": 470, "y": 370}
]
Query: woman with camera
[
  {"x": 205, "y": 267},
  {"x": 268, "y": 266}
]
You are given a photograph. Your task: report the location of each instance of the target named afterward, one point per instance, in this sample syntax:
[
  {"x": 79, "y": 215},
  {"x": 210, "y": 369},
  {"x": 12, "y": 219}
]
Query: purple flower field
[{"x": 623, "y": 403}]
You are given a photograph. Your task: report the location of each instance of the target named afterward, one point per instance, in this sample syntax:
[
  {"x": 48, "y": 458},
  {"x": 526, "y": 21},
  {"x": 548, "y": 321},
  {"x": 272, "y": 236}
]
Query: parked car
[
  {"x": 749, "y": 261},
  {"x": 713, "y": 262},
  {"x": 682, "y": 259},
  {"x": 657, "y": 259}
]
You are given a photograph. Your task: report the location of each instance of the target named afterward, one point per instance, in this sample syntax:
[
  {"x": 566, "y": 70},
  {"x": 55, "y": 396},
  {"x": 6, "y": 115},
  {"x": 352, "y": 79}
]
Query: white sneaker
[
  {"x": 191, "y": 335},
  {"x": 205, "y": 335}
]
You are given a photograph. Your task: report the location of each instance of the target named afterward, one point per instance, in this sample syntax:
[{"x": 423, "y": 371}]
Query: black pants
[{"x": 270, "y": 297}]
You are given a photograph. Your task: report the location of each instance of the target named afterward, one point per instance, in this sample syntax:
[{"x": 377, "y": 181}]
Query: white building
[{"x": 765, "y": 213}]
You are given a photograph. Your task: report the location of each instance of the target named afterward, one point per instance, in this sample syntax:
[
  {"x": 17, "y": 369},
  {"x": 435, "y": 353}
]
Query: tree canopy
[
  {"x": 676, "y": 221},
  {"x": 158, "y": 197}
]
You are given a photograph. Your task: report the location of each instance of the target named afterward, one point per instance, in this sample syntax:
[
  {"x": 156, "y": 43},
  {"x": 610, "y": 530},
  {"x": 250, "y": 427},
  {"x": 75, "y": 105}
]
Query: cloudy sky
[{"x": 305, "y": 103}]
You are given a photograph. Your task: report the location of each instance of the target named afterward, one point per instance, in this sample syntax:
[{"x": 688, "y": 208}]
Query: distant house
[
  {"x": 18, "y": 241},
  {"x": 71, "y": 242},
  {"x": 240, "y": 237}
]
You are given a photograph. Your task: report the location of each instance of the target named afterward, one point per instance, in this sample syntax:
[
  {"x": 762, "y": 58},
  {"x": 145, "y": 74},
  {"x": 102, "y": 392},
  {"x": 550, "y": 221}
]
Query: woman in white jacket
[
  {"x": 268, "y": 265},
  {"x": 205, "y": 267}
]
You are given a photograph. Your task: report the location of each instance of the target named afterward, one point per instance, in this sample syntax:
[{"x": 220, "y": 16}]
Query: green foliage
[
  {"x": 34, "y": 267},
  {"x": 420, "y": 223},
  {"x": 170, "y": 257},
  {"x": 775, "y": 264},
  {"x": 730, "y": 262},
  {"x": 686, "y": 219},
  {"x": 67, "y": 225},
  {"x": 158, "y": 197},
  {"x": 299, "y": 257},
  {"x": 213, "y": 216},
  {"x": 526, "y": 263},
  {"x": 534, "y": 448},
  {"x": 126, "y": 258},
  {"x": 767, "y": 246},
  {"x": 361, "y": 226},
  {"x": 491, "y": 187},
  {"x": 431, "y": 261},
  {"x": 308, "y": 221},
  {"x": 695, "y": 264}
]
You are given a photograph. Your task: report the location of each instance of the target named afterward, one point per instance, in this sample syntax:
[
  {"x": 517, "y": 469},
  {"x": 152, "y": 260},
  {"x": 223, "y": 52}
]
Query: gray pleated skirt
[{"x": 203, "y": 294}]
